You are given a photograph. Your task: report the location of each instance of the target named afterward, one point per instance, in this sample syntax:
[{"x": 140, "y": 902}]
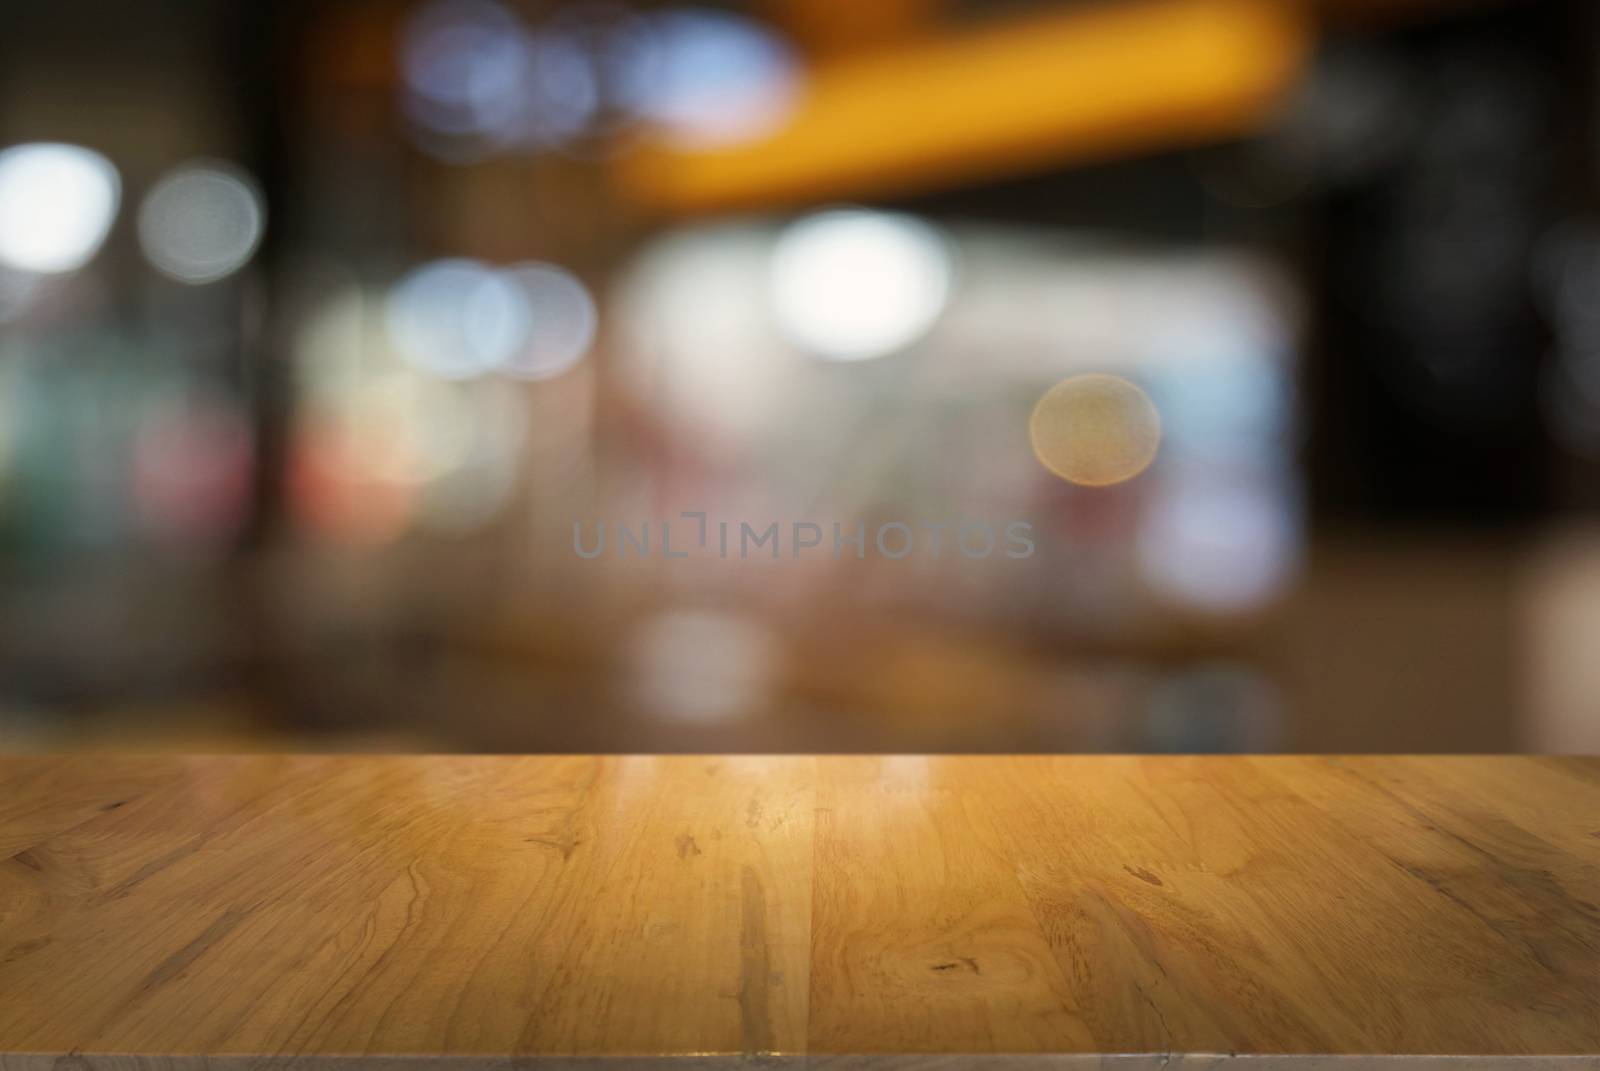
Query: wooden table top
[{"x": 858, "y": 911}]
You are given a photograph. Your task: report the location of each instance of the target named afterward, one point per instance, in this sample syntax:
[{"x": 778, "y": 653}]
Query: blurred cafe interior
[{"x": 334, "y": 334}]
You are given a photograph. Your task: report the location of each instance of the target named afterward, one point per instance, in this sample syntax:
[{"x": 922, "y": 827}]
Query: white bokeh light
[
  {"x": 705, "y": 78},
  {"x": 561, "y": 323},
  {"x": 1220, "y": 545},
  {"x": 851, "y": 284},
  {"x": 57, "y": 203},
  {"x": 201, "y": 223},
  {"x": 714, "y": 366},
  {"x": 458, "y": 318}
]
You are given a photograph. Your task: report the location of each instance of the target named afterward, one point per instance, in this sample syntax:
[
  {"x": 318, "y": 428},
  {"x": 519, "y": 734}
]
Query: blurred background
[{"x": 323, "y": 323}]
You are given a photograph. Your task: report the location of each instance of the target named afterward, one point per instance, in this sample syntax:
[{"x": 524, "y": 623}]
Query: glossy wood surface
[{"x": 862, "y": 910}]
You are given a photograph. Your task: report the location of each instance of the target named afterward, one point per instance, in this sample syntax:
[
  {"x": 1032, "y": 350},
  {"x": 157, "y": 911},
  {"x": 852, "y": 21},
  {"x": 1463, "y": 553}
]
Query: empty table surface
[{"x": 840, "y": 911}]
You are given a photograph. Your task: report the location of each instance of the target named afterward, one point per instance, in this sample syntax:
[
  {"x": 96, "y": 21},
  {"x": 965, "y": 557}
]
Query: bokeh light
[
  {"x": 561, "y": 321},
  {"x": 1220, "y": 544},
  {"x": 851, "y": 284},
  {"x": 477, "y": 79},
  {"x": 57, "y": 203},
  {"x": 384, "y": 448},
  {"x": 563, "y": 90},
  {"x": 1095, "y": 430},
  {"x": 704, "y": 78},
  {"x": 458, "y": 318},
  {"x": 201, "y": 223},
  {"x": 465, "y": 64},
  {"x": 715, "y": 366}
]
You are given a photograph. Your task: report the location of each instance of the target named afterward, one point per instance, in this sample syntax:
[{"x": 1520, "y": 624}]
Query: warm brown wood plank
[
  {"x": 923, "y": 940},
  {"x": 871, "y": 912},
  {"x": 43, "y": 797},
  {"x": 1245, "y": 917},
  {"x": 426, "y": 906}
]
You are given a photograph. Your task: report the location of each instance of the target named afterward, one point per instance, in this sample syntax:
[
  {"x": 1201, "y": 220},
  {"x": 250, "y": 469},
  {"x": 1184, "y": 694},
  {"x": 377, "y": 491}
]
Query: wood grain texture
[{"x": 844, "y": 912}]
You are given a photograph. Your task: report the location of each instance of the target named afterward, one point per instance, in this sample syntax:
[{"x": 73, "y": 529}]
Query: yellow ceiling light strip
[{"x": 1105, "y": 80}]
